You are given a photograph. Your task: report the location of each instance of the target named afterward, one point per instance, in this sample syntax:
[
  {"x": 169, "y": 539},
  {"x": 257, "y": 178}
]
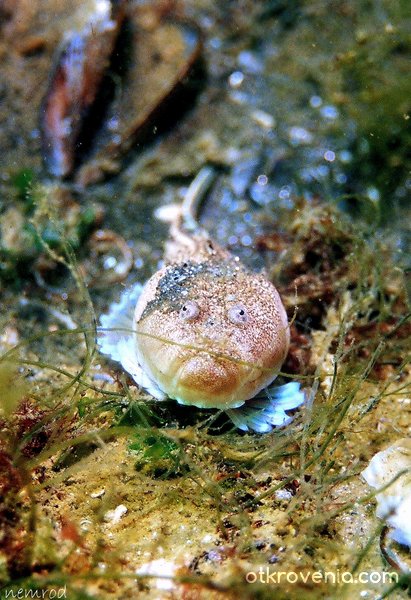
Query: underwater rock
[
  {"x": 75, "y": 84},
  {"x": 394, "y": 502}
]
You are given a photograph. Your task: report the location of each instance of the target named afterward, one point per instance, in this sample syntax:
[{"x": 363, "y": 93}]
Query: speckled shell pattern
[{"x": 209, "y": 361}]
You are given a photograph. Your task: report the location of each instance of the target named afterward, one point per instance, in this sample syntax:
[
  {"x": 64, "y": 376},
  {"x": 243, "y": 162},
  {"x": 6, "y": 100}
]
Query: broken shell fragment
[
  {"x": 75, "y": 84},
  {"x": 394, "y": 502}
]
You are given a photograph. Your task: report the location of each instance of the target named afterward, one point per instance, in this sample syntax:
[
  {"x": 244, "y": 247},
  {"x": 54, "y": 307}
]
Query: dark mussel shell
[
  {"x": 146, "y": 63},
  {"x": 157, "y": 86},
  {"x": 74, "y": 85}
]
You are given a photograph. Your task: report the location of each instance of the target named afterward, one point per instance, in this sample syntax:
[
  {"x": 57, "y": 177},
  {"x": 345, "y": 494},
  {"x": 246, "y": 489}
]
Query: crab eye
[
  {"x": 189, "y": 311},
  {"x": 238, "y": 314}
]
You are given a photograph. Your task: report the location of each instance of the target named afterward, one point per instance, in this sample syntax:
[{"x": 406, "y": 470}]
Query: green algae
[
  {"x": 41, "y": 216},
  {"x": 12, "y": 386}
]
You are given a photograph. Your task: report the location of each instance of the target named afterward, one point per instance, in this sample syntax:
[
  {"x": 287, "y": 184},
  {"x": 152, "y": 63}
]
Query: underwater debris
[
  {"x": 75, "y": 83},
  {"x": 394, "y": 501},
  {"x": 204, "y": 331}
]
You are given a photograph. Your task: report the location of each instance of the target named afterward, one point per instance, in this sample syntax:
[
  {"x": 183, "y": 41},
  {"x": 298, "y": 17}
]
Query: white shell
[{"x": 394, "y": 502}]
